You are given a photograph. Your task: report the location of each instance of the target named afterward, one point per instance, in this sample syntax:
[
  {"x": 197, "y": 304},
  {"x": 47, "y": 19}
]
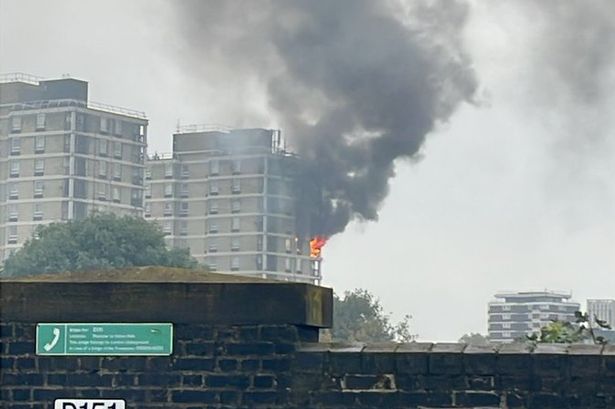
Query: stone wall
[{"x": 254, "y": 345}]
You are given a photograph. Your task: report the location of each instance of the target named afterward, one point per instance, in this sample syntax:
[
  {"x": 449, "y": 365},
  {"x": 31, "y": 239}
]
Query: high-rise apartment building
[
  {"x": 603, "y": 309},
  {"x": 62, "y": 157},
  {"x": 514, "y": 315},
  {"x": 229, "y": 196}
]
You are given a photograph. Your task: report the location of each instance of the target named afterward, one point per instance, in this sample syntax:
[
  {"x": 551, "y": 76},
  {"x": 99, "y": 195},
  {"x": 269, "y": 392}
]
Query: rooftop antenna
[{"x": 66, "y": 75}]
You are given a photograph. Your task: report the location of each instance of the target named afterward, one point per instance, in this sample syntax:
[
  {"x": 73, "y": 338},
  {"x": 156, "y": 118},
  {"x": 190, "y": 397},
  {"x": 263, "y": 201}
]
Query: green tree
[
  {"x": 100, "y": 241},
  {"x": 359, "y": 317},
  {"x": 474, "y": 338},
  {"x": 564, "y": 332}
]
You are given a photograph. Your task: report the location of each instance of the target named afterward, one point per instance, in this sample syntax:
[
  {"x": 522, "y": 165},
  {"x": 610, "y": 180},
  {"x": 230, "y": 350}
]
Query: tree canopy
[
  {"x": 474, "y": 338},
  {"x": 100, "y": 241},
  {"x": 359, "y": 317}
]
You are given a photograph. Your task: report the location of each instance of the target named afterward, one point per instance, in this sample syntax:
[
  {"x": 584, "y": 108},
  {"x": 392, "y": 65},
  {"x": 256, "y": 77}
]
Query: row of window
[
  {"x": 15, "y": 167},
  {"x": 213, "y": 208},
  {"x": 15, "y": 145},
  {"x": 17, "y": 122},
  {"x": 103, "y": 172},
  {"x": 544, "y": 307},
  {"x": 533, "y": 316},
  {"x": 212, "y": 263},
  {"x": 13, "y": 213},
  {"x": 38, "y": 190},
  {"x": 214, "y": 189},
  {"x": 212, "y": 226}
]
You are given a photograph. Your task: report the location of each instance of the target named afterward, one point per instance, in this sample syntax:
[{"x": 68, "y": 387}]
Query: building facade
[
  {"x": 603, "y": 309},
  {"x": 62, "y": 157},
  {"x": 229, "y": 196},
  {"x": 514, "y": 315}
]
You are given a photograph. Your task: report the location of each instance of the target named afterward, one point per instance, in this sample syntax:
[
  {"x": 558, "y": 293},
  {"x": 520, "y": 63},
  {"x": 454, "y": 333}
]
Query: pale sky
[{"x": 515, "y": 192}]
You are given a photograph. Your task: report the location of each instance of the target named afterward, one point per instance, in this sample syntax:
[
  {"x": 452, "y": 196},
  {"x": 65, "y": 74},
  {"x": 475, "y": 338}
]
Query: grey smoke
[{"x": 354, "y": 84}]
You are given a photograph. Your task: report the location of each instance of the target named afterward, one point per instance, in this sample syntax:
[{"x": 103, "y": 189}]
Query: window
[
  {"x": 103, "y": 147},
  {"x": 235, "y": 244},
  {"x": 183, "y": 209},
  {"x": 213, "y": 188},
  {"x": 212, "y": 246},
  {"x": 104, "y": 125},
  {"x": 168, "y": 190},
  {"x": 287, "y": 263},
  {"x": 236, "y": 166},
  {"x": 183, "y": 228},
  {"x": 148, "y": 173},
  {"x": 506, "y": 334},
  {"x": 136, "y": 197},
  {"x": 147, "y": 210},
  {"x": 16, "y": 124},
  {"x": 259, "y": 243},
  {"x": 213, "y": 226},
  {"x": 236, "y": 186},
  {"x": 15, "y": 146},
  {"x": 235, "y": 264},
  {"x": 118, "y": 127},
  {"x": 38, "y": 212},
  {"x": 184, "y": 190},
  {"x": 167, "y": 228},
  {"x": 39, "y": 167},
  {"x": 40, "y": 121},
  {"x": 117, "y": 172},
  {"x": 13, "y": 191},
  {"x": 39, "y": 189},
  {"x": 235, "y": 206},
  {"x": 13, "y": 215},
  {"x": 505, "y": 307},
  {"x": 14, "y": 165},
  {"x": 168, "y": 209},
  {"x": 506, "y": 325},
  {"x": 185, "y": 172},
  {"x": 212, "y": 263},
  {"x": 543, "y": 307},
  {"x": 213, "y": 207},
  {"x": 505, "y": 316},
  {"x": 298, "y": 267},
  {"x": 102, "y": 168},
  {"x": 101, "y": 191},
  {"x": 12, "y": 239},
  {"x": 168, "y": 170},
  {"x": 116, "y": 194},
  {"x": 214, "y": 167},
  {"x": 287, "y": 245},
  {"x": 39, "y": 144},
  {"x": 67, "y": 143},
  {"x": 148, "y": 191},
  {"x": 117, "y": 150},
  {"x": 235, "y": 224}
]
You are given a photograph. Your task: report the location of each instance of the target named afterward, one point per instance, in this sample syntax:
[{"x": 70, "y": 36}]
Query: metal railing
[
  {"x": 20, "y": 77},
  {"x": 55, "y": 103},
  {"x": 204, "y": 128}
]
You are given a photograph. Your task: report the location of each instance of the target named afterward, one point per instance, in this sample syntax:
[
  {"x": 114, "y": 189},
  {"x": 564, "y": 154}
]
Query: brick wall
[
  {"x": 424, "y": 375},
  {"x": 212, "y": 366},
  {"x": 254, "y": 345}
]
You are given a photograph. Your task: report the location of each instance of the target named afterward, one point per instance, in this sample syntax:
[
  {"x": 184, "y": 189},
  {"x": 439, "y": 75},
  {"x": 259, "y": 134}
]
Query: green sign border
[{"x": 66, "y": 324}]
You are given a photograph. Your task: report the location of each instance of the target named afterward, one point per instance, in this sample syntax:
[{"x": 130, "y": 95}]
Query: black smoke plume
[{"x": 354, "y": 84}]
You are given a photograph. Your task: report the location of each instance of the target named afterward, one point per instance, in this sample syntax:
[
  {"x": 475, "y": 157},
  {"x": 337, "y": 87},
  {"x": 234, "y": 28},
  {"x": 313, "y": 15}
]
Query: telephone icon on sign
[{"x": 56, "y": 337}]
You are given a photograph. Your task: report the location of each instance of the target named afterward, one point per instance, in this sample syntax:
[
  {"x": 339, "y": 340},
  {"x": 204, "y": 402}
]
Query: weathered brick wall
[
  {"x": 254, "y": 345},
  {"x": 423, "y": 375},
  {"x": 211, "y": 366}
]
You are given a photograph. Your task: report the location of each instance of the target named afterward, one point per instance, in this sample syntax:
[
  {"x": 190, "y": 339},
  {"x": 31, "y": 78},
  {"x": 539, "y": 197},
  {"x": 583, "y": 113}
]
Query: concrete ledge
[{"x": 213, "y": 301}]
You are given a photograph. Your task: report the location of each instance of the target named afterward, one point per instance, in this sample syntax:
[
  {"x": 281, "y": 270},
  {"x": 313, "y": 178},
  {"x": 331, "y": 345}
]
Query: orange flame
[{"x": 316, "y": 244}]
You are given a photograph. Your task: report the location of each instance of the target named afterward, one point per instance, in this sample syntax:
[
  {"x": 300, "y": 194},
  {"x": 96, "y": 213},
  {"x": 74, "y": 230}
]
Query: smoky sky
[
  {"x": 354, "y": 85},
  {"x": 571, "y": 68}
]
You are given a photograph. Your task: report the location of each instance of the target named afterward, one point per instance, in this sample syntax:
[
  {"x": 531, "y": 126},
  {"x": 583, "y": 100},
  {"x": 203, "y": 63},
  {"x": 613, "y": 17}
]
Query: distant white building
[
  {"x": 603, "y": 309},
  {"x": 515, "y": 315}
]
